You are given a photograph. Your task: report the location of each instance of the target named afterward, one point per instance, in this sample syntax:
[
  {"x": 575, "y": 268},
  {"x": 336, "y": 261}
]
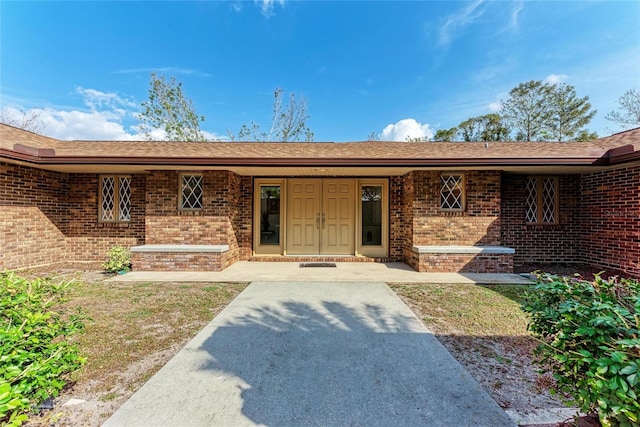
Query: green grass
[
  {"x": 130, "y": 321},
  {"x": 467, "y": 309}
]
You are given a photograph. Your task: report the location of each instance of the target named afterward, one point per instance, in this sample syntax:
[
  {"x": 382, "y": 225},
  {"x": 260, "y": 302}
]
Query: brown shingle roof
[{"x": 336, "y": 153}]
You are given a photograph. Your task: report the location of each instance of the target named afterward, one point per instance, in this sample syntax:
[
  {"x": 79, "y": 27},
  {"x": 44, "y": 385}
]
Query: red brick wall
[
  {"x": 425, "y": 224},
  {"x": 465, "y": 263},
  {"x": 409, "y": 190},
  {"x": 179, "y": 261},
  {"x": 397, "y": 232},
  {"x": 50, "y": 217},
  {"x": 610, "y": 219},
  {"x": 47, "y": 217},
  {"x": 478, "y": 224},
  {"x": 87, "y": 238},
  {"x": 225, "y": 218},
  {"x": 553, "y": 243},
  {"x": 32, "y": 222}
]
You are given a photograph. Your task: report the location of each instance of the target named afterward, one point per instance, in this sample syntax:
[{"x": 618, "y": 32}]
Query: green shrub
[
  {"x": 36, "y": 357},
  {"x": 590, "y": 340},
  {"x": 118, "y": 259}
]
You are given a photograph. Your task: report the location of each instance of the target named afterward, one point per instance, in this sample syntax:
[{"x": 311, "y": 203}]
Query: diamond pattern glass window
[
  {"x": 452, "y": 192},
  {"x": 115, "y": 198},
  {"x": 191, "y": 192},
  {"x": 124, "y": 198},
  {"x": 532, "y": 200},
  {"x": 542, "y": 200}
]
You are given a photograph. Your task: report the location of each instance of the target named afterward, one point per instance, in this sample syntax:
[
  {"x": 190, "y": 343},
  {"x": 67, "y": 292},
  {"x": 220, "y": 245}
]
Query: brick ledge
[
  {"x": 181, "y": 248},
  {"x": 463, "y": 250}
]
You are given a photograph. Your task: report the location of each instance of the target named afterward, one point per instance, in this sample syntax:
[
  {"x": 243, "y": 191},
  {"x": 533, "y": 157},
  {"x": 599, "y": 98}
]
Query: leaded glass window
[
  {"x": 191, "y": 192},
  {"x": 532, "y": 200},
  {"x": 115, "y": 198},
  {"x": 124, "y": 202},
  {"x": 452, "y": 192},
  {"x": 542, "y": 200}
]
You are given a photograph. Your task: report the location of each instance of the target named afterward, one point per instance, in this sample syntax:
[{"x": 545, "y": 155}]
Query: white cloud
[
  {"x": 513, "y": 23},
  {"x": 457, "y": 21},
  {"x": 110, "y": 117},
  {"x": 555, "y": 78},
  {"x": 406, "y": 128},
  {"x": 494, "y": 106},
  {"x": 267, "y": 6}
]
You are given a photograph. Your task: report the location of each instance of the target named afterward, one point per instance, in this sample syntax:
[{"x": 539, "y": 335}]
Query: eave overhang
[{"x": 46, "y": 158}]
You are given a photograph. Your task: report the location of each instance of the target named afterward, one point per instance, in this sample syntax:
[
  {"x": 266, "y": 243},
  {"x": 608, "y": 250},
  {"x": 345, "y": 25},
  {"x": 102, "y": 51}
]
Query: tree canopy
[
  {"x": 168, "y": 109},
  {"x": 528, "y": 109},
  {"x": 627, "y": 114},
  {"x": 30, "y": 120},
  {"x": 569, "y": 114},
  {"x": 288, "y": 123},
  {"x": 540, "y": 111}
]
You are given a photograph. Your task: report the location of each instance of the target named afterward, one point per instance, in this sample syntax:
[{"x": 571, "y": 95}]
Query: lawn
[
  {"x": 468, "y": 309},
  {"x": 485, "y": 330},
  {"x": 136, "y": 328}
]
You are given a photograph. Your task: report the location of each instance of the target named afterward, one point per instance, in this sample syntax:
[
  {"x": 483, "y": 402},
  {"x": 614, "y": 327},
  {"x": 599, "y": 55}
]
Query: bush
[
  {"x": 590, "y": 340},
  {"x": 118, "y": 259},
  {"x": 36, "y": 357}
]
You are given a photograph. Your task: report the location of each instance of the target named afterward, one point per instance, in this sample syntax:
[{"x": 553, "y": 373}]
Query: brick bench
[
  {"x": 464, "y": 259},
  {"x": 179, "y": 257}
]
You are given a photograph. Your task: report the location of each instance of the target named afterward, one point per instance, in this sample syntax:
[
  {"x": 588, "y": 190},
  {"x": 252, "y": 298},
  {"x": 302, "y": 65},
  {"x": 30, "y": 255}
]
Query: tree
[
  {"x": 490, "y": 127},
  {"x": 169, "y": 110},
  {"x": 444, "y": 135},
  {"x": 542, "y": 111},
  {"x": 373, "y": 137},
  {"x": 287, "y": 125},
  {"x": 585, "y": 136},
  {"x": 628, "y": 111},
  {"x": 417, "y": 139},
  {"x": 30, "y": 120},
  {"x": 528, "y": 109},
  {"x": 494, "y": 128},
  {"x": 470, "y": 130},
  {"x": 569, "y": 114}
]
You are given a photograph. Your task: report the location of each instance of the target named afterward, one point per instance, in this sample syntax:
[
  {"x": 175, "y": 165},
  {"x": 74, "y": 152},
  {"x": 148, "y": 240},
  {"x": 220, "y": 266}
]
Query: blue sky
[{"x": 393, "y": 68}]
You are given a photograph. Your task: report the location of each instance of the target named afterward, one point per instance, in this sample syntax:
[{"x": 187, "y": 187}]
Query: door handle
[
  {"x": 323, "y": 220},
  {"x": 318, "y": 221}
]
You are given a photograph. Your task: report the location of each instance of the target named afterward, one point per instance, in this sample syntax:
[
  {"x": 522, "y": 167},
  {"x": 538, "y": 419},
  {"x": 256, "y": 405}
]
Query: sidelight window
[
  {"x": 270, "y": 214},
  {"x": 371, "y": 215}
]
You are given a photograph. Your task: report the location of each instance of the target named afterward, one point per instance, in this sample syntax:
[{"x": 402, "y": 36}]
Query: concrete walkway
[
  {"x": 310, "y": 354},
  {"x": 394, "y": 272}
]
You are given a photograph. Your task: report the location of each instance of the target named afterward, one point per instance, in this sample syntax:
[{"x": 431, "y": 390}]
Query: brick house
[{"x": 450, "y": 206}]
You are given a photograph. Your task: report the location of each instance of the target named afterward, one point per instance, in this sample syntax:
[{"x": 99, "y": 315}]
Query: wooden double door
[{"x": 321, "y": 216}]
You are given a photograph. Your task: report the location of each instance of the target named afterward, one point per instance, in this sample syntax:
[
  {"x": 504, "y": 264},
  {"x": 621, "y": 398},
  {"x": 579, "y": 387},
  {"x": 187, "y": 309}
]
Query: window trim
[
  {"x": 181, "y": 195},
  {"x": 540, "y": 202},
  {"x": 116, "y": 198},
  {"x": 463, "y": 176}
]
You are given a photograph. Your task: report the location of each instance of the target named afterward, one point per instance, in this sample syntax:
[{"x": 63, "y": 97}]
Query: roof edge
[{"x": 48, "y": 157}]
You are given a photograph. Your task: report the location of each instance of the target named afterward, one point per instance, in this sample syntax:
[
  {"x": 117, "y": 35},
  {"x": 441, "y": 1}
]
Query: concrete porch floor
[{"x": 251, "y": 271}]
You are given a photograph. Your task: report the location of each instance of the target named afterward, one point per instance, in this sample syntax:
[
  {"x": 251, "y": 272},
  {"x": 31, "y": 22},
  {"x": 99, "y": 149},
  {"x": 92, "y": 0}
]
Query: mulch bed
[{"x": 586, "y": 271}]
